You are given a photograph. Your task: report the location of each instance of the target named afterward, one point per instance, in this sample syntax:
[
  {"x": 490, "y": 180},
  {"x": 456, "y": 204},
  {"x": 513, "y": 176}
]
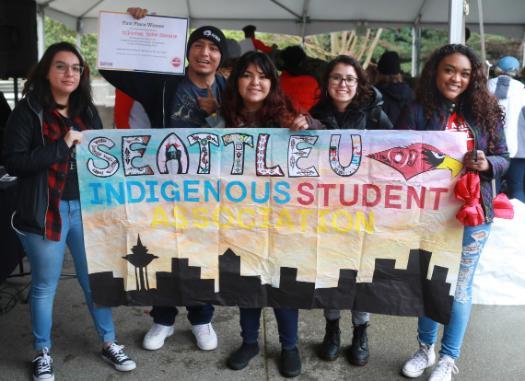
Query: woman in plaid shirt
[{"x": 39, "y": 149}]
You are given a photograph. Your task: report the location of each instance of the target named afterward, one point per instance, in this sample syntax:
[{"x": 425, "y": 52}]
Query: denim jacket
[{"x": 413, "y": 118}]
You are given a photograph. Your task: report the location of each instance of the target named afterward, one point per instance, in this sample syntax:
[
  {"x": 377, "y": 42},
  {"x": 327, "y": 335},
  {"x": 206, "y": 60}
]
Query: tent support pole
[
  {"x": 304, "y": 19},
  {"x": 523, "y": 50},
  {"x": 189, "y": 13},
  {"x": 456, "y": 31},
  {"x": 416, "y": 47},
  {"x": 40, "y": 31},
  {"x": 286, "y": 9},
  {"x": 482, "y": 36},
  {"x": 80, "y": 32}
]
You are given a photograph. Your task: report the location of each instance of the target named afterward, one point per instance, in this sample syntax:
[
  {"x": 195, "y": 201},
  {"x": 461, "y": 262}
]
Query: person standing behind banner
[
  {"x": 39, "y": 149},
  {"x": 180, "y": 102},
  {"x": 389, "y": 81},
  {"x": 128, "y": 113},
  {"x": 301, "y": 87},
  {"x": 250, "y": 43},
  {"x": 254, "y": 98},
  {"x": 511, "y": 97},
  {"x": 348, "y": 101},
  {"x": 234, "y": 52},
  {"x": 452, "y": 95}
]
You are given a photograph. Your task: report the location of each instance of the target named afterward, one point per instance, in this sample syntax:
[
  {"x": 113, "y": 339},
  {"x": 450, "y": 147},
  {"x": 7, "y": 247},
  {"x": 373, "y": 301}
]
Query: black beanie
[
  {"x": 212, "y": 34},
  {"x": 389, "y": 63},
  {"x": 292, "y": 57}
]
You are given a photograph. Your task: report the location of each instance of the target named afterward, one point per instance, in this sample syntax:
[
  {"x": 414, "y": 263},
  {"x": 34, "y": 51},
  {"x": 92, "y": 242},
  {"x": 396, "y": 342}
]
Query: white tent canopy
[{"x": 301, "y": 17}]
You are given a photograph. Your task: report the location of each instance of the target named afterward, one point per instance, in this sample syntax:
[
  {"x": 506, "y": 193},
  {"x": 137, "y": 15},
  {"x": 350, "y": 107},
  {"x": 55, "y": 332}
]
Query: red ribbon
[
  {"x": 468, "y": 190},
  {"x": 502, "y": 207}
]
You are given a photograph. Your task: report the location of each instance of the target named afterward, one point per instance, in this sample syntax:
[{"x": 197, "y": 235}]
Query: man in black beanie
[{"x": 180, "y": 102}]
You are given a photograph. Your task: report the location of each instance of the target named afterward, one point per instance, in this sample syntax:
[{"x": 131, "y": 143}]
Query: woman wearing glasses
[
  {"x": 39, "y": 149},
  {"x": 348, "y": 101}
]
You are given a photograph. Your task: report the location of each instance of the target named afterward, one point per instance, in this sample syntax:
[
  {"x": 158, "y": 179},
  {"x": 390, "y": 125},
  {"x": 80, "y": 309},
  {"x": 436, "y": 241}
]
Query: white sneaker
[
  {"x": 156, "y": 335},
  {"x": 205, "y": 336},
  {"x": 421, "y": 360},
  {"x": 444, "y": 369}
]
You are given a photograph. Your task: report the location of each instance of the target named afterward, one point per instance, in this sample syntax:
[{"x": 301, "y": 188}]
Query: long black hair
[
  {"x": 364, "y": 90},
  {"x": 276, "y": 109},
  {"x": 38, "y": 86}
]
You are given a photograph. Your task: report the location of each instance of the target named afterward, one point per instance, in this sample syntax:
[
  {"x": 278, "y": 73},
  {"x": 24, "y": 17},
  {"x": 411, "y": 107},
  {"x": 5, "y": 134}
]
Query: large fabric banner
[{"x": 269, "y": 217}]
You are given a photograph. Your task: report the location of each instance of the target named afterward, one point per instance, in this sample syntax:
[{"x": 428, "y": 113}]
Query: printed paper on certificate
[{"x": 151, "y": 44}]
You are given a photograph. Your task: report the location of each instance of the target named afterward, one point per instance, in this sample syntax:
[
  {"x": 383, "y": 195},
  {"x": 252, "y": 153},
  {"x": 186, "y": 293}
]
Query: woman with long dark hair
[
  {"x": 254, "y": 99},
  {"x": 348, "y": 101},
  {"x": 41, "y": 134},
  {"x": 452, "y": 95}
]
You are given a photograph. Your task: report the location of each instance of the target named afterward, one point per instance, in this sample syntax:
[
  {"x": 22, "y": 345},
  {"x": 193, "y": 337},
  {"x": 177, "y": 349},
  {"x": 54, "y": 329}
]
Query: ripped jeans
[{"x": 474, "y": 238}]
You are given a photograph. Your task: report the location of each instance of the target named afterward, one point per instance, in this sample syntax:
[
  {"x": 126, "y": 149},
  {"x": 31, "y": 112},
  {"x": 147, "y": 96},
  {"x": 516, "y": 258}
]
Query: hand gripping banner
[{"x": 268, "y": 217}]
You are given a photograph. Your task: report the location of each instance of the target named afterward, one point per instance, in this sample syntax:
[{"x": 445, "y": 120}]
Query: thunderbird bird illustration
[{"x": 417, "y": 158}]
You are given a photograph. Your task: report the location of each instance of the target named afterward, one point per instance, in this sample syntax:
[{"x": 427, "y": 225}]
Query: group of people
[{"x": 43, "y": 129}]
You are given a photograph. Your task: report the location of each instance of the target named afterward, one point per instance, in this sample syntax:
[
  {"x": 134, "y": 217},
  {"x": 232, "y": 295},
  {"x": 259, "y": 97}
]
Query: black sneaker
[
  {"x": 290, "y": 365},
  {"x": 241, "y": 357},
  {"x": 43, "y": 367},
  {"x": 114, "y": 354}
]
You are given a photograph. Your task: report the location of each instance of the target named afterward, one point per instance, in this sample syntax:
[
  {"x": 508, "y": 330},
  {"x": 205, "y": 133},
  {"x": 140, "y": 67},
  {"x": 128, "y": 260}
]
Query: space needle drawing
[{"x": 140, "y": 258}]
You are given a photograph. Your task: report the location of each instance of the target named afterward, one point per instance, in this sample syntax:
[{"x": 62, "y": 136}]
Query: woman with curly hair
[
  {"x": 253, "y": 98},
  {"x": 41, "y": 135},
  {"x": 348, "y": 101},
  {"x": 452, "y": 95}
]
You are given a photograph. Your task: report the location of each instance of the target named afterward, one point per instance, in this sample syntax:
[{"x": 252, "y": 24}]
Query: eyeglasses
[
  {"x": 338, "y": 79},
  {"x": 63, "y": 67}
]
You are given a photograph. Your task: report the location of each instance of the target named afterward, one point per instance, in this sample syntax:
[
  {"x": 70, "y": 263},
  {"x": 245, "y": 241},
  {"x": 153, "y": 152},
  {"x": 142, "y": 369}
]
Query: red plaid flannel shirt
[{"x": 54, "y": 129}]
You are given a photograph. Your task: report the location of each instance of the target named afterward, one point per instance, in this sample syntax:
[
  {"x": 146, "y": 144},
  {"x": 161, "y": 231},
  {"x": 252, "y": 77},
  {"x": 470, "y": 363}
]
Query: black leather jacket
[{"x": 28, "y": 157}]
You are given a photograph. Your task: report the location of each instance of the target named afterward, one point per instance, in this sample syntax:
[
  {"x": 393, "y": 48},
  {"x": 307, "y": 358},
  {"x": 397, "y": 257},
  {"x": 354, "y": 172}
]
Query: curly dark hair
[
  {"x": 364, "y": 90},
  {"x": 277, "y": 108},
  {"x": 476, "y": 100},
  {"x": 38, "y": 86}
]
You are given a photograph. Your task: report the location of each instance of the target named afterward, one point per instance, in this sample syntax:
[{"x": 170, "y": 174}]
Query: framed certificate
[{"x": 154, "y": 44}]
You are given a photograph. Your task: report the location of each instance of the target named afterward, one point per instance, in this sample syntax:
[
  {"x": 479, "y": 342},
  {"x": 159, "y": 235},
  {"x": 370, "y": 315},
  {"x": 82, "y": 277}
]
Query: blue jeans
[
  {"x": 474, "y": 238},
  {"x": 287, "y": 321},
  {"x": 516, "y": 179},
  {"x": 46, "y": 258},
  {"x": 197, "y": 315}
]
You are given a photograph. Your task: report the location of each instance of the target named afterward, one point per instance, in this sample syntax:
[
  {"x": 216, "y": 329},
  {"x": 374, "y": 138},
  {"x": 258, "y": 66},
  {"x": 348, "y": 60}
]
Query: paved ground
[{"x": 494, "y": 348}]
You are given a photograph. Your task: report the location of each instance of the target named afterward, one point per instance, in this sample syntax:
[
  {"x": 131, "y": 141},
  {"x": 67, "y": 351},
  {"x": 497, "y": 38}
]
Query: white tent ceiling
[{"x": 285, "y": 16}]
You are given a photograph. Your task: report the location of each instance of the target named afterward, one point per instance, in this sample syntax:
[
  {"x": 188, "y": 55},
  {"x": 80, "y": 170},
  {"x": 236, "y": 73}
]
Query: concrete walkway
[{"x": 494, "y": 347}]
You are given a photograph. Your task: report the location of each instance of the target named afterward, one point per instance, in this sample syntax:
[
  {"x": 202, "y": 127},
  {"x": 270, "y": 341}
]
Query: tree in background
[{"x": 56, "y": 32}]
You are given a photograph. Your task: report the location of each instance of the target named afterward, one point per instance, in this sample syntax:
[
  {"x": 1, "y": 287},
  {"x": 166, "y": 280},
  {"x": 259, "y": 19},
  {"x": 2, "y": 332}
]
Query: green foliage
[{"x": 57, "y": 32}]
